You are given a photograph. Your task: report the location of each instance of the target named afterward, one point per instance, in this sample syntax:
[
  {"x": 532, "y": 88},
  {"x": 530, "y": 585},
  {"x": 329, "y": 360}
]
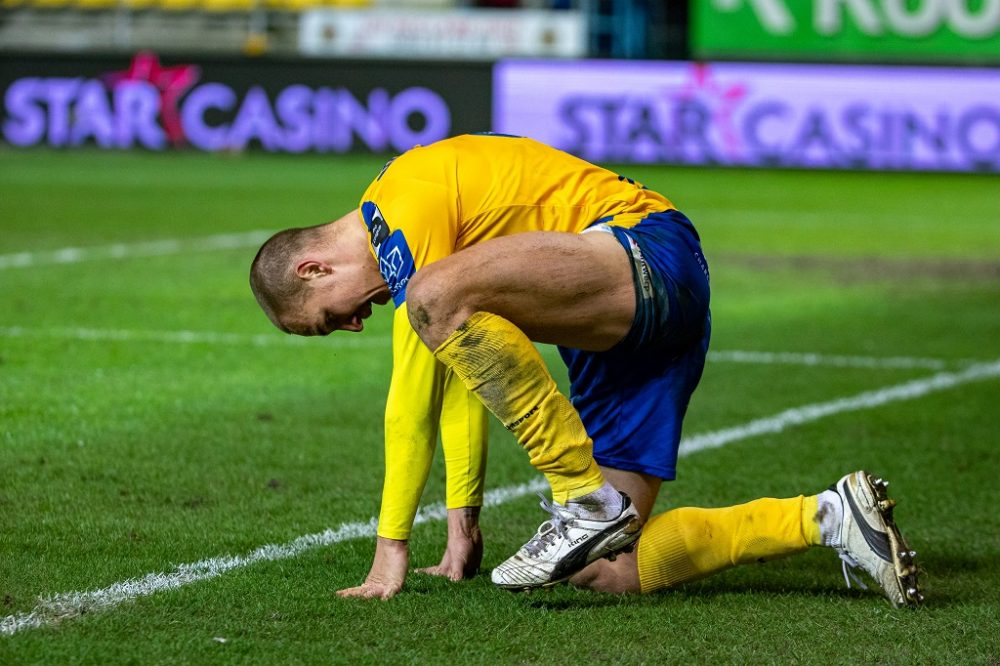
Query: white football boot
[
  {"x": 565, "y": 544},
  {"x": 870, "y": 540}
]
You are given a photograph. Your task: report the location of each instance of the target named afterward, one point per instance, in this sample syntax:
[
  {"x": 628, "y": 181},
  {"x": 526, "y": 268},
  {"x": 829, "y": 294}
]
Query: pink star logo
[
  {"x": 721, "y": 99},
  {"x": 172, "y": 82}
]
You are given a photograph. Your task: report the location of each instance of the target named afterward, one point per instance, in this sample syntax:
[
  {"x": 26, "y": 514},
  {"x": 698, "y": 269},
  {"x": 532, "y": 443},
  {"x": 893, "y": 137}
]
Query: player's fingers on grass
[
  {"x": 360, "y": 592},
  {"x": 452, "y": 573},
  {"x": 369, "y": 591}
]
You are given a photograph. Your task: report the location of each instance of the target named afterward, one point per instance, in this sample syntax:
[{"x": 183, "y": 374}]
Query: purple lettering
[
  {"x": 198, "y": 131},
  {"x": 815, "y": 145},
  {"x": 255, "y": 120},
  {"x": 25, "y": 123},
  {"x": 692, "y": 123},
  {"x": 765, "y": 146},
  {"x": 979, "y": 137},
  {"x": 642, "y": 130},
  {"x": 421, "y": 102},
  {"x": 92, "y": 115},
  {"x": 609, "y": 110},
  {"x": 914, "y": 128},
  {"x": 356, "y": 118},
  {"x": 58, "y": 95},
  {"x": 325, "y": 134},
  {"x": 137, "y": 104},
  {"x": 856, "y": 120},
  {"x": 293, "y": 108},
  {"x": 579, "y": 131}
]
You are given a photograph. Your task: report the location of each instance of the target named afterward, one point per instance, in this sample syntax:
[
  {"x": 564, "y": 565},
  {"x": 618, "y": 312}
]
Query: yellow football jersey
[{"x": 431, "y": 202}]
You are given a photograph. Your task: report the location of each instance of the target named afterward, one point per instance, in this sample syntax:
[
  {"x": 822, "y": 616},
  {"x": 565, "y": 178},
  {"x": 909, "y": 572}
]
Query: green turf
[{"x": 122, "y": 458}]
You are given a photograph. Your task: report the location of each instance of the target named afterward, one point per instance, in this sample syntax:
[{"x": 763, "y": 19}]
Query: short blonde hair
[{"x": 273, "y": 279}]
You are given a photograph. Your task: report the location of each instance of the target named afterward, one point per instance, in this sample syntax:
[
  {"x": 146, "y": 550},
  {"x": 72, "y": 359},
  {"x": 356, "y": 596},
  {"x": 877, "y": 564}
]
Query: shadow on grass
[
  {"x": 692, "y": 592},
  {"x": 944, "y": 580}
]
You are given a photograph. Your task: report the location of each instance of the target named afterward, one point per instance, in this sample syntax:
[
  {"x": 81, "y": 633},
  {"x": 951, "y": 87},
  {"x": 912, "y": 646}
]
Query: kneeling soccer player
[{"x": 486, "y": 243}]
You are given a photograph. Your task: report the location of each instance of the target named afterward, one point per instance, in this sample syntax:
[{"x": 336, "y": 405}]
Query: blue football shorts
[{"x": 633, "y": 397}]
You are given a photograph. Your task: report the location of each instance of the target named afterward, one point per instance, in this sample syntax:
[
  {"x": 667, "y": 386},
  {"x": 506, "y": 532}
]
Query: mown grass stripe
[
  {"x": 374, "y": 341},
  {"x": 73, "y": 604}
]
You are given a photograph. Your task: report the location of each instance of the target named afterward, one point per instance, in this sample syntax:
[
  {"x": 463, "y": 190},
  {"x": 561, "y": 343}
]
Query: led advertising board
[
  {"x": 234, "y": 104},
  {"x": 812, "y": 116},
  {"x": 929, "y": 31}
]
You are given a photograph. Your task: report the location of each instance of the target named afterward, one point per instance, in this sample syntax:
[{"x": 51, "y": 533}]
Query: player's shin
[
  {"x": 690, "y": 543},
  {"x": 498, "y": 363}
]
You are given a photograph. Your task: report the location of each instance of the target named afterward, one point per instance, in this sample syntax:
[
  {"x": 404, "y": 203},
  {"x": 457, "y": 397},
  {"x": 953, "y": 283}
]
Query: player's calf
[{"x": 619, "y": 575}]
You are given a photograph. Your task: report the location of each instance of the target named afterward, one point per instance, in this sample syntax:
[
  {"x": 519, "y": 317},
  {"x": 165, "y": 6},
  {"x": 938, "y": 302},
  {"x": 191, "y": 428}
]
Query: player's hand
[
  {"x": 464, "y": 552},
  {"x": 388, "y": 572}
]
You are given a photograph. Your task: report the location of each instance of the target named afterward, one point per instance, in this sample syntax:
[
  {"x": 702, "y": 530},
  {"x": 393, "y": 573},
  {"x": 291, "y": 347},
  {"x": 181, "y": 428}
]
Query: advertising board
[
  {"x": 812, "y": 116},
  {"x": 470, "y": 33},
  {"x": 930, "y": 31},
  {"x": 234, "y": 104}
]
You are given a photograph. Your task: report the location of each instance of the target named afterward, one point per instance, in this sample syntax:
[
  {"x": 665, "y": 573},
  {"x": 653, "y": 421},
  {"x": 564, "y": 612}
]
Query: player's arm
[
  {"x": 411, "y": 419},
  {"x": 411, "y": 426},
  {"x": 464, "y": 428},
  {"x": 464, "y": 434},
  {"x": 413, "y": 223}
]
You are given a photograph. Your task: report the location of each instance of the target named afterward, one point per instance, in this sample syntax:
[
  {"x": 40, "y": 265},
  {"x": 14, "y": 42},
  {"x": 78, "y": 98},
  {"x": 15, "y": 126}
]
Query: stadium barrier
[
  {"x": 232, "y": 104},
  {"x": 729, "y": 114},
  {"x": 175, "y": 6},
  {"x": 742, "y": 114},
  {"x": 931, "y": 31}
]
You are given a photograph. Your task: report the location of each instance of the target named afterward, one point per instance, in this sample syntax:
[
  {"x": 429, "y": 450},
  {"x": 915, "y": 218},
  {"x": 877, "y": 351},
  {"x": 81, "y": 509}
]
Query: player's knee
[
  {"x": 420, "y": 301},
  {"x": 431, "y": 299}
]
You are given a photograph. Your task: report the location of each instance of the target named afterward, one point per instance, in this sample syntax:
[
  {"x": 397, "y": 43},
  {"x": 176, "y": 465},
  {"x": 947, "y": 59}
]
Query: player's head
[{"x": 316, "y": 280}]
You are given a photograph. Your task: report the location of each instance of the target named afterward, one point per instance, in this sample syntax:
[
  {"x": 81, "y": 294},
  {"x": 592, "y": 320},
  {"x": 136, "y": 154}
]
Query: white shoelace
[
  {"x": 547, "y": 531},
  {"x": 849, "y": 564}
]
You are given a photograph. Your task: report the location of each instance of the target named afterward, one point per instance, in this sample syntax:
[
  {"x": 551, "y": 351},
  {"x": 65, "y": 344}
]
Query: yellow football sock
[
  {"x": 498, "y": 363},
  {"x": 690, "y": 543}
]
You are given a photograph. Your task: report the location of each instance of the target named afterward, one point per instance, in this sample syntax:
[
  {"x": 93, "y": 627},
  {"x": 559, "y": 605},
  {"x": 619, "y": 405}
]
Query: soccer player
[{"x": 485, "y": 243}]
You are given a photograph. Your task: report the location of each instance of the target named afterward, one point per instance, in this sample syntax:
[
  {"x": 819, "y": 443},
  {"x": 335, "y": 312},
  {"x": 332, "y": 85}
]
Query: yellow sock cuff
[
  {"x": 663, "y": 556},
  {"x": 810, "y": 521},
  {"x": 566, "y": 487}
]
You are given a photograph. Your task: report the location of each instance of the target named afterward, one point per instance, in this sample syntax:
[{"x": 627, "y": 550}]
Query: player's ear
[{"x": 310, "y": 269}]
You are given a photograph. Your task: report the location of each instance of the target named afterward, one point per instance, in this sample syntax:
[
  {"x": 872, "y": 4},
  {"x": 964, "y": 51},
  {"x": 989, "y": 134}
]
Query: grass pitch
[{"x": 145, "y": 426}]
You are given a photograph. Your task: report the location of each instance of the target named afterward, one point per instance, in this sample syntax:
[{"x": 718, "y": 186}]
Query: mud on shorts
[{"x": 633, "y": 397}]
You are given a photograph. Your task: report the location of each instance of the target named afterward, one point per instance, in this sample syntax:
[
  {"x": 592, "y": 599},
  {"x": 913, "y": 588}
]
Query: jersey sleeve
[
  {"x": 411, "y": 419},
  {"x": 413, "y": 223},
  {"x": 464, "y": 436}
]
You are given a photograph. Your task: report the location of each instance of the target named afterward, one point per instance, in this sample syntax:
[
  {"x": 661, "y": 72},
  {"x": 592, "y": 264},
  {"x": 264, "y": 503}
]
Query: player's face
[{"x": 337, "y": 302}]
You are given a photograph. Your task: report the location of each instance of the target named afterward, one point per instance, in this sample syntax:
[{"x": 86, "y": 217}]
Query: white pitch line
[
  {"x": 374, "y": 341},
  {"x": 274, "y": 339},
  {"x": 73, "y": 255},
  {"x": 73, "y": 604},
  {"x": 793, "y": 358},
  {"x": 867, "y": 400}
]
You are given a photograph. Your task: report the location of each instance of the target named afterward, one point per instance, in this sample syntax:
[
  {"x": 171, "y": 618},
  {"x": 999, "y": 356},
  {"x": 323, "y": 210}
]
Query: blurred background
[{"x": 897, "y": 84}]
